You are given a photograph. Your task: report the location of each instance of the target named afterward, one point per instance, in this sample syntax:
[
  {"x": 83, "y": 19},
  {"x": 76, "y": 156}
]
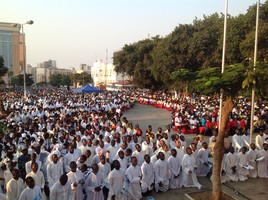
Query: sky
[{"x": 73, "y": 32}]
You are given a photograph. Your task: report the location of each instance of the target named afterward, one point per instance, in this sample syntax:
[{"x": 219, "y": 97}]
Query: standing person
[
  {"x": 203, "y": 167},
  {"x": 231, "y": 165},
  {"x": 133, "y": 174},
  {"x": 54, "y": 170},
  {"x": 105, "y": 169},
  {"x": 174, "y": 165},
  {"x": 262, "y": 158},
  {"x": 189, "y": 169},
  {"x": 61, "y": 190},
  {"x": 75, "y": 177},
  {"x": 38, "y": 176},
  {"x": 161, "y": 173},
  {"x": 259, "y": 140},
  {"x": 94, "y": 183},
  {"x": 15, "y": 186},
  {"x": 22, "y": 160},
  {"x": 147, "y": 171},
  {"x": 116, "y": 182},
  {"x": 31, "y": 192},
  {"x": 252, "y": 156}
]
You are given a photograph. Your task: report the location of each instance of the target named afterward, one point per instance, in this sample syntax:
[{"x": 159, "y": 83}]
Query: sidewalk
[{"x": 255, "y": 189}]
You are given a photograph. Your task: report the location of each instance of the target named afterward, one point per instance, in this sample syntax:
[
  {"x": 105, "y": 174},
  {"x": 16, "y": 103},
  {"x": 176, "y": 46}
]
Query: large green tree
[
  {"x": 3, "y": 69},
  {"x": 19, "y": 80}
]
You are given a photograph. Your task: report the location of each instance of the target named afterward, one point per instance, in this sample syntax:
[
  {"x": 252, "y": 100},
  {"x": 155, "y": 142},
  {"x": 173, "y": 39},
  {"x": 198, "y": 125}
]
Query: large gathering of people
[{"x": 64, "y": 145}]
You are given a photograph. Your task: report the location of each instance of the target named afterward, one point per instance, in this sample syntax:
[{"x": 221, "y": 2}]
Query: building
[
  {"x": 12, "y": 44},
  {"x": 103, "y": 73}
]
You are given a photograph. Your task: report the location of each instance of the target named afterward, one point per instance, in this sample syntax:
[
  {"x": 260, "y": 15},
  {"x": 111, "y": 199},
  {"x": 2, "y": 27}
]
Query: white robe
[
  {"x": 133, "y": 188},
  {"x": 262, "y": 164},
  {"x": 92, "y": 181},
  {"x": 105, "y": 169},
  {"x": 14, "y": 189},
  {"x": 38, "y": 178},
  {"x": 54, "y": 171},
  {"x": 61, "y": 192},
  {"x": 174, "y": 165},
  {"x": 31, "y": 194},
  {"x": 202, "y": 156},
  {"x": 75, "y": 177},
  {"x": 231, "y": 161},
  {"x": 139, "y": 156},
  {"x": 116, "y": 183},
  {"x": 161, "y": 175},
  {"x": 147, "y": 171},
  {"x": 189, "y": 172},
  {"x": 252, "y": 156},
  {"x": 237, "y": 142},
  {"x": 242, "y": 161}
]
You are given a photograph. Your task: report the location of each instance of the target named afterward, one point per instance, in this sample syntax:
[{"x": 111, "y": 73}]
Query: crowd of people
[{"x": 64, "y": 145}]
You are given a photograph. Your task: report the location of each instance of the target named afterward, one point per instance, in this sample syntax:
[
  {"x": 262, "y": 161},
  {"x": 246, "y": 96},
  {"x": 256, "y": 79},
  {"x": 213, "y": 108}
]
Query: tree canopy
[
  {"x": 3, "y": 69},
  {"x": 195, "y": 47}
]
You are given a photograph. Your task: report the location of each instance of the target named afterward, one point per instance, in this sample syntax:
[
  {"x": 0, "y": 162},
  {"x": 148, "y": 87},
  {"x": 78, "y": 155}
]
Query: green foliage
[
  {"x": 55, "y": 79},
  {"x": 19, "y": 80},
  {"x": 81, "y": 79},
  {"x": 3, "y": 69}
]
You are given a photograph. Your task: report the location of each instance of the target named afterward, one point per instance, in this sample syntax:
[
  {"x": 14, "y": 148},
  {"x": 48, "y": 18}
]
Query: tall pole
[
  {"x": 24, "y": 63},
  {"x": 255, "y": 61},
  {"x": 223, "y": 57}
]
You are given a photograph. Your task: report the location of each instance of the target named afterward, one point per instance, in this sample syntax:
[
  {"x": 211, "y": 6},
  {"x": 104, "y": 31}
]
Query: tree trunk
[{"x": 219, "y": 151}]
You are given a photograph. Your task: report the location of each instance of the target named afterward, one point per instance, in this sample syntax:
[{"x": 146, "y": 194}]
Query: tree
[
  {"x": 3, "y": 69},
  {"x": 66, "y": 80},
  {"x": 55, "y": 79},
  {"x": 19, "y": 80}
]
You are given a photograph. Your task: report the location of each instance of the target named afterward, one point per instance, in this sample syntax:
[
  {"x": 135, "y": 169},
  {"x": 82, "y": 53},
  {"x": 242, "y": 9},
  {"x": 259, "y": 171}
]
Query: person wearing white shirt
[
  {"x": 105, "y": 169},
  {"x": 262, "y": 158},
  {"x": 28, "y": 165},
  {"x": 189, "y": 169},
  {"x": 15, "y": 186},
  {"x": 231, "y": 165},
  {"x": 61, "y": 190},
  {"x": 147, "y": 171},
  {"x": 203, "y": 166},
  {"x": 76, "y": 178},
  {"x": 112, "y": 150},
  {"x": 237, "y": 141},
  {"x": 161, "y": 173},
  {"x": 133, "y": 174},
  {"x": 32, "y": 191},
  {"x": 69, "y": 157},
  {"x": 54, "y": 170},
  {"x": 139, "y": 154},
  {"x": 116, "y": 182},
  {"x": 252, "y": 156},
  {"x": 259, "y": 140},
  {"x": 174, "y": 165}
]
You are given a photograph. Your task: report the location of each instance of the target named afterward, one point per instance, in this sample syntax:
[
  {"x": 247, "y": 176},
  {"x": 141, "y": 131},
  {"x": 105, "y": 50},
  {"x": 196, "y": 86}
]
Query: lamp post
[{"x": 30, "y": 22}]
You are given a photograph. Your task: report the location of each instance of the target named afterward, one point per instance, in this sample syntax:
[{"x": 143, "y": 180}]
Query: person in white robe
[
  {"x": 203, "y": 167},
  {"x": 15, "y": 186},
  {"x": 28, "y": 165},
  {"x": 123, "y": 161},
  {"x": 262, "y": 158},
  {"x": 174, "y": 165},
  {"x": 161, "y": 174},
  {"x": 237, "y": 141},
  {"x": 189, "y": 169},
  {"x": 242, "y": 165},
  {"x": 72, "y": 155},
  {"x": 61, "y": 190},
  {"x": 105, "y": 169},
  {"x": 252, "y": 156},
  {"x": 147, "y": 146},
  {"x": 54, "y": 170},
  {"x": 38, "y": 176},
  {"x": 116, "y": 183},
  {"x": 94, "y": 183},
  {"x": 231, "y": 165},
  {"x": 133, "y": 175},
  {"x": 76, "y": 179},
  {"x": 31, "y": 192},
  {"x": 147, "y": 171},
  {"x": 259, "y": 140},
  {"x": 139, "y": 154}
]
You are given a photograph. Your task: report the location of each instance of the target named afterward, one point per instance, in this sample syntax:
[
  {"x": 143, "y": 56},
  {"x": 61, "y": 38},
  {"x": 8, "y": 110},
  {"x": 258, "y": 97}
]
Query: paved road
[{"x": 255, "y": 189}]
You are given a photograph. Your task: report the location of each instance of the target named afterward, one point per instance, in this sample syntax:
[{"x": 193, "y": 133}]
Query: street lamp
[{"x": 30, "y": 22}]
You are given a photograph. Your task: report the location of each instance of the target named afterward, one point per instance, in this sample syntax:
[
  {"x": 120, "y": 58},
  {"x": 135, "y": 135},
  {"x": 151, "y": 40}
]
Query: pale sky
[{"x": 79, "y": 31}]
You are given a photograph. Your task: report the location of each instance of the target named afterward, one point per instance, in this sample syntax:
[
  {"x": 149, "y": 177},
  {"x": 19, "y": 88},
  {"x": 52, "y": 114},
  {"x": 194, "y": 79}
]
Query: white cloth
[
  {"x": 38, "y": 178},
  {"x": 31, "y": 194},
  {"x": 189, "y": 171},
  {"x": 259, "y": 142},
  {"x": 133, "y": 175},
  {"x": 105, "y": 169},
  {"x": 161, "y": 175},
  {"x": 61, "y": 192},
  {"x": 93, "y": 181},
  {"x": 139, "y": 156},
  {"x": 175, "y": 179},
  {"x": 54, "y": 171},
  {"x": 237, "y": 142},
  {"x": 202, "y": 163},
  {"x": 116, "y": 183},
  {"x": 76, "y": 177},
  {"x": 14, "y": 189},
  {"x": 252, "y": 156},
  {"x": 147, "y": 171},
  {"x": 28, "y": 166},
  {"x": 230, "y": 162},
  {"x": 262, "y": 164},
  {"x": 69, "y": 157},
  {"x": 241, "y": 170}
]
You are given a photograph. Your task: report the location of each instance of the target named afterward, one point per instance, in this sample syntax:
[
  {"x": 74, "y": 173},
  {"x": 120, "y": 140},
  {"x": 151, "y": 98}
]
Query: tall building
[
  {"x": 103, "y": 73},
  {"x": 12, "y": 44}
]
